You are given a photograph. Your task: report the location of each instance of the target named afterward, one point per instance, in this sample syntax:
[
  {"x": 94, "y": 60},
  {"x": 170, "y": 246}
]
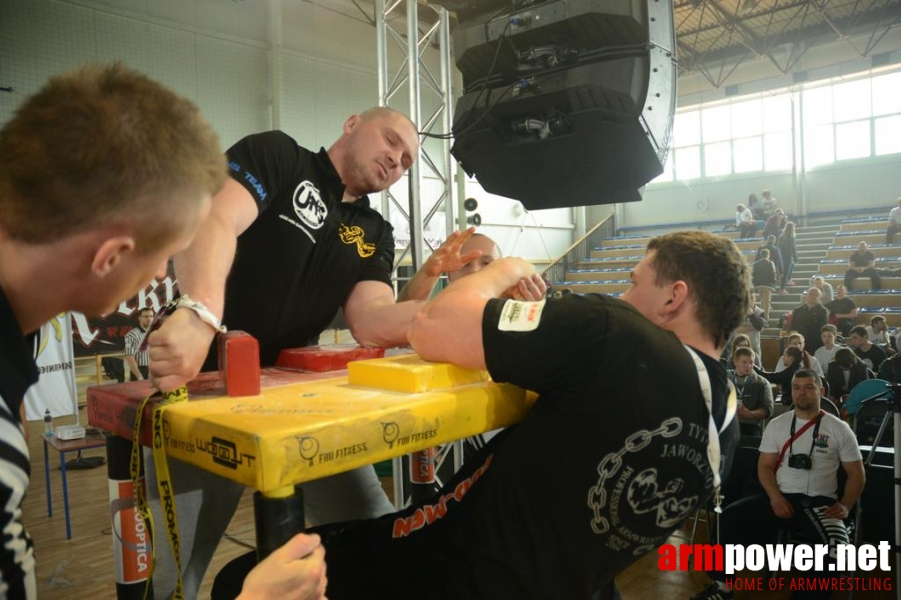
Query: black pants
[
  {"x": 752, "y": 521},
  {"x": 890, "y": 233},
  {"x": 851, "y": 275}
]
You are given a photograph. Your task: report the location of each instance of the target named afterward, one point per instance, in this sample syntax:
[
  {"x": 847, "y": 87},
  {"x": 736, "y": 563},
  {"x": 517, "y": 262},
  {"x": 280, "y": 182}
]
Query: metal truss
[
  {"x": 415, "y": 74},
  {"x": 715, "y": 36}
]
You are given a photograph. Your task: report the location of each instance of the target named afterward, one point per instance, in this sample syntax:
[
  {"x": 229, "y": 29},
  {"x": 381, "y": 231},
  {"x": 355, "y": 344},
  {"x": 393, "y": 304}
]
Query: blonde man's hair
[{"x": 105, "y": 145}]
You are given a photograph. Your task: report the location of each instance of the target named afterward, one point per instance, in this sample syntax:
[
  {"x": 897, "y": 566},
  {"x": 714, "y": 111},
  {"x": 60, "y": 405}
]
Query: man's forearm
[
  {"x": 418, "y": 288},
  {"x": 203, "y": 268},
  {"x": 853, "y": 486},
  {"x": 133, "y": 366},
  {"x": 383, "y": 323}
]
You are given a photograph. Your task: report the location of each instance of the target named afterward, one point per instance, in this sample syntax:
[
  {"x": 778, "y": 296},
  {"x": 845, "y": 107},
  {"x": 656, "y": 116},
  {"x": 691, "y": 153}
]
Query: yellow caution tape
[{"x": 164, "y": 484}]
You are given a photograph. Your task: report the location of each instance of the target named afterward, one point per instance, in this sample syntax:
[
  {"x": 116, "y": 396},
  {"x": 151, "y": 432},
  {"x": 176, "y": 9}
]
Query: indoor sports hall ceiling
[{"x": 714, "y": 37}]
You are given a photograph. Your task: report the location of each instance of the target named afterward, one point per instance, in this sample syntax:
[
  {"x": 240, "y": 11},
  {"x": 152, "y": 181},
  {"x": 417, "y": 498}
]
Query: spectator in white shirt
[
  {"x": 894, "y": 223},
  {"x": 826, "y": 352},
  {"x": 797, "y": 340}
]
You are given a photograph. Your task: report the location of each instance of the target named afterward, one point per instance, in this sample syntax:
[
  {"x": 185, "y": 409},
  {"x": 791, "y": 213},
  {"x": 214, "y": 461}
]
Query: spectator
[
  {"x": 775, "y": 253},
  {"x": 894, "y": 224},
  {"x": 789, "y": 251},
  {"x": 755, "y": 207},
  {"x": 798, "y": 472},
  {"x": 751, "y": 327},
  {"x": 825, "y": 353},
  {"x": 877, "y": 333},
  {"x": 744, "y": 222},
  {"x": 136, "y": 359},
  {"x": 797, "y": 340},
  {"x": 775, "y": 224},
  {"x": 828, "y": 293},
  {"x": 890, "y": 369},
  {"x": 769, "y": 204},
  {"x": 844, "y": 373},
  {"x": 809, "y": 318},
  {"x": 794, "y": 359},
  {"x": 763, "y": 273},
  {"x": 862, "y": 263},
  {"x": 871, "y": 354},
  {"x": 755, "y": 395},
  {"x": 842, "y": 311}
]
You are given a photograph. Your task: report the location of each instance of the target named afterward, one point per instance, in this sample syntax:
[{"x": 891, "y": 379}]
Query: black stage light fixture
[{"x": 566, "y": 102}]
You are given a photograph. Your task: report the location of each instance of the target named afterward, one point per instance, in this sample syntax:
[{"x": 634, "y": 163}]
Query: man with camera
[{"x": 798, "y": 468}]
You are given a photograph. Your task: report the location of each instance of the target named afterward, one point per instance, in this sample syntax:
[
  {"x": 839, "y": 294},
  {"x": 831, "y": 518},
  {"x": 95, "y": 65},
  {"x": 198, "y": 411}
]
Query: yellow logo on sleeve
[{"x": 354, "y": 235}]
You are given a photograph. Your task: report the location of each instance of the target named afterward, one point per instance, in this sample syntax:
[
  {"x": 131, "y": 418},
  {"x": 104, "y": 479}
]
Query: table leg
[
  {"x": 47, "y": 479},
  {"x": 62, "y": 461},
  {"x": 278, "y": 517}
]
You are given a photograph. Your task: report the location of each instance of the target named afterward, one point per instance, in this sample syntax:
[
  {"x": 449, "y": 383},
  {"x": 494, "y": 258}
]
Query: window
[
  {"x": 748, "y": 155},
  {"x": 747, "y": 118},
  {"x": 819, "y": 147},
  {"x": 777, "y": 113},
  {"x": 687, "y": 129},
  {"x": 817, "y": 106},
  {"x": 851, "y": 100},
  {"x": 888, "y": 135},
  {"x": 887, "y": 94},
  {"x": 667, "y": 174},
  {"x": 852, "y": 140},
  {"x": 688, "y": 162},
  {"x": 717, "y": 159},
  {"x": 777, "y": 151},
  {"x": 716, "y": 124}
]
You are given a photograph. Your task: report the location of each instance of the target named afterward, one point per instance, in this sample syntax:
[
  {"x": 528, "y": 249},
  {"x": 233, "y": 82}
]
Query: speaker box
[{"x": 566, "y": 102}]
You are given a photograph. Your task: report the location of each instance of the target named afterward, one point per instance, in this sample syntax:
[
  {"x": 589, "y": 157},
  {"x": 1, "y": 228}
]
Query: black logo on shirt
[{"x": 309, "y": 206}]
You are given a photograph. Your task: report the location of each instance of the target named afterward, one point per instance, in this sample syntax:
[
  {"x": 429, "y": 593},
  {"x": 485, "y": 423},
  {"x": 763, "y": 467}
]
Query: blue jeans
[{"x": 787, "y": 272}]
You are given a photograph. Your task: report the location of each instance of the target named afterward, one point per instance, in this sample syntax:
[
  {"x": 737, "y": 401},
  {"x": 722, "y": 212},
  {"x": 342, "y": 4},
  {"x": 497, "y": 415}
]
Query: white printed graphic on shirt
[
  {"x": 520, "y": 316},
  {"x": 309, "y": 206}
]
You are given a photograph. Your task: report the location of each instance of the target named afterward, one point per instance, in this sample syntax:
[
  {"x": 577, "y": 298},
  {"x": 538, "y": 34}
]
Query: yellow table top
[{"x": 297, "y": 432}]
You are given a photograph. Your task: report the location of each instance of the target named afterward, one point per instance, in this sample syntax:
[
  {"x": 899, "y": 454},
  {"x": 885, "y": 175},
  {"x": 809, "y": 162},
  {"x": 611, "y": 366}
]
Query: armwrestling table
[{"x": 299, "y": 426}]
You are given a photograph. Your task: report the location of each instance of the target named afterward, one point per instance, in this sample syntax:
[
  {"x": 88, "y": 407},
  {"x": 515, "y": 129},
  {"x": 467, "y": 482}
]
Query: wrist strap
[{"x": 205, "y": 314}]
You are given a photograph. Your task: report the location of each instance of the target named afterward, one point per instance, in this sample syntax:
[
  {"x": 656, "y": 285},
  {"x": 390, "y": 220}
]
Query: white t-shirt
[
  {"x": 744, "y": 215},
  {"x": 835, "y": 443},
  {"x": 895, "y": 215},
  {"x": 824, "y": 356},
  {"x": 880, "y": 339}
]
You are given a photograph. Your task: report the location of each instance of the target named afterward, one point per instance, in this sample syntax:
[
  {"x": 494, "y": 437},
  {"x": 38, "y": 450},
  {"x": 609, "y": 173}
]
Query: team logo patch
[
  {"x": 309, "y": 206},
  {"x": 520, "y": 316},
  {"x": 355, "y": 235}
]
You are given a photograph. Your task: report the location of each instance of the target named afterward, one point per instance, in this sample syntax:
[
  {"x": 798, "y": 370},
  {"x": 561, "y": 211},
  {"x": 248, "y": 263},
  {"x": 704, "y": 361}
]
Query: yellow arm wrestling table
[{"x": 304, "y": 426}]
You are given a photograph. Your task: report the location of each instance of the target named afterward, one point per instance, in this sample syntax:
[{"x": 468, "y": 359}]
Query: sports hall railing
[{"x": 580, "y": 250}]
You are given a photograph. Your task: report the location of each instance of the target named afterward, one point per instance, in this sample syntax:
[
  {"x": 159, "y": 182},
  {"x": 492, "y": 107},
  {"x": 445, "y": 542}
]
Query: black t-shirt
[
  {"x": 862, "y": 260},
  {"x": 609, "y": 461},
  {"x": 873, "y": 357},
  {"x": 299, "y": 260},
  {"x": 841, "y": 306},
  {"x": 809, "y": 321}
]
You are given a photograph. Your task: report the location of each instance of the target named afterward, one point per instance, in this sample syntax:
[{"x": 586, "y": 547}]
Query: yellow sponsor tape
[{"x": 164, "y": 484}]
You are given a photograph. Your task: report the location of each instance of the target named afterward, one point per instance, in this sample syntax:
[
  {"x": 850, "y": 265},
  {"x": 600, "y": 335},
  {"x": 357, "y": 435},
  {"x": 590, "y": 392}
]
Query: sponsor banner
[
  {"x": 55, "y": 389},
  {"x": 106, "y": 335},
  {"x": 131, "y": 536}
]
